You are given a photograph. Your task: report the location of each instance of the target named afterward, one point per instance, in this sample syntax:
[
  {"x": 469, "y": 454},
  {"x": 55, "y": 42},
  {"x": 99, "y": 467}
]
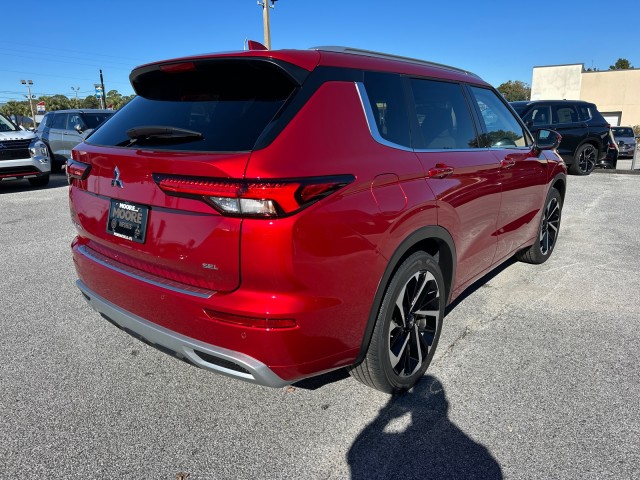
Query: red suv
[{"x": 273, "y": 215}]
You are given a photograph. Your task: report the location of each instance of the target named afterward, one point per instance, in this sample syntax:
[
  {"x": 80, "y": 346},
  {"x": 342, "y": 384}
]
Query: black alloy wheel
[
  {"x": 407, "y": 328},
  {"x": 550, "y": 226},
  {"x": 414, "y": 323},
  {"x": 548, "y": 231},
  {"x": 585, "y": 159}
]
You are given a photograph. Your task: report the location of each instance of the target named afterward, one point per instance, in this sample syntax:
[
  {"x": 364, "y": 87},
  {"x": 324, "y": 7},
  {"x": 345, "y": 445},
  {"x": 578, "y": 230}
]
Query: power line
[
  {"x": 55, "y": 61},
  {"x": 56, "y": 50}
]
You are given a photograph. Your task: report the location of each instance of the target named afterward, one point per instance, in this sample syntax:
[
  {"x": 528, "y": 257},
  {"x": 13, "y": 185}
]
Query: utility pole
[
  {"x": 104, "y": 92},
  {"x": 28, "y": 84},
  {"x": 265, "y": 18},
  {"x": 75, "y": 90}
]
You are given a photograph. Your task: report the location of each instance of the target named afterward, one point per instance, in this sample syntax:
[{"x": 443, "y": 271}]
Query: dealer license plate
[{"x": 128, "y": 220}]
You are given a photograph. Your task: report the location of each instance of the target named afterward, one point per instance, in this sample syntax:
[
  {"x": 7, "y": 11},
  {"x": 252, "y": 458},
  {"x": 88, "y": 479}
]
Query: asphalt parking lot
[{"x": 537, "y": 375}]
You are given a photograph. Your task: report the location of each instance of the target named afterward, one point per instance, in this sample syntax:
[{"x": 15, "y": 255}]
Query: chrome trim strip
[
  {"x": 449, "y": 150},
  {"x": 144, "y": 276},
  {"x": 182, "y": 345},
  {"x": 371, "y": 122}
]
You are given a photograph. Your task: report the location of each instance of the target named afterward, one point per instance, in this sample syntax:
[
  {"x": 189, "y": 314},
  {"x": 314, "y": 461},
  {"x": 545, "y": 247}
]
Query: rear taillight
[
  {"x": 253, "y": 198},
  {"x": 77, "y": 170}
]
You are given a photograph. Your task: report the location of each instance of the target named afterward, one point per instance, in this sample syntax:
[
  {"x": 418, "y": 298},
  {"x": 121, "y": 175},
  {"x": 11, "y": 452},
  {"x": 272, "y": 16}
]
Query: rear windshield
[
  {"x": 228, "y": 102},
  {"x": 519, "y": 107},
  {"x": 622, "y": 131}
]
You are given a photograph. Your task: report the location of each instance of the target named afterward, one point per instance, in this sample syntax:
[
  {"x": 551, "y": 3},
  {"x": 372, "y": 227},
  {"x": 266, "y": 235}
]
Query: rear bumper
[
  {"x": 184, "y": 322},
  {"x": 198, "y": 353}
]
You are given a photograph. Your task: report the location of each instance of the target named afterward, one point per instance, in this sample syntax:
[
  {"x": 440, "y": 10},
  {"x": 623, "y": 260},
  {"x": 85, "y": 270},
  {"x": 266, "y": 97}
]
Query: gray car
[
  {"x": 61, "y": 130},
  {"x": 22, "y": 155},
  {"x": 625, "y": 139}
]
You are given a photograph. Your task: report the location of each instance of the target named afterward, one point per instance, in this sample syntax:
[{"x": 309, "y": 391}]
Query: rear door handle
[
  {"x": 507, "y": 162},
  {"x": 440, "y": 171}
]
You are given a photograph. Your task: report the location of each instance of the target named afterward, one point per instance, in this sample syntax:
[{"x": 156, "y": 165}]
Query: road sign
[
  {"x": 98, "y": 91},
  {"x": 40, "y": 107}
]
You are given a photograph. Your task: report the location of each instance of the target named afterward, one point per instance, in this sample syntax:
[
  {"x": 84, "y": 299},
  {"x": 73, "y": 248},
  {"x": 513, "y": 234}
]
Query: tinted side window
[
  {"x": 386, "y": 96},
  {"x": 75, "y": 120},
  {"x": 59, "y": 121},
  {"x": 585, "y": 113},
  {"x": 503, "y": 130},
  {"x": 443, "y": 115},
  {"x": 92, "y": 120},
  {"x": 564, "y": 114},
  {"x": 539, "y": 115}
]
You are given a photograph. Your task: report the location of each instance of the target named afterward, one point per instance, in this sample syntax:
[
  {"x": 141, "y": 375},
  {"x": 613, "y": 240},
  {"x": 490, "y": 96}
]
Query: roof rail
[{"x": 388, "y": 56}]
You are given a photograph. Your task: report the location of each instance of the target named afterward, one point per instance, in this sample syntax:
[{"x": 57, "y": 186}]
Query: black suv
[
  {"x": 62, "y": 130},
  {"x": 585, "y": 132}
]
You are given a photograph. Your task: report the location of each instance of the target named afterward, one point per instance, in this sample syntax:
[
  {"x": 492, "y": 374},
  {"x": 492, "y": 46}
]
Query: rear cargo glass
[{"x": 228, "y": 102}]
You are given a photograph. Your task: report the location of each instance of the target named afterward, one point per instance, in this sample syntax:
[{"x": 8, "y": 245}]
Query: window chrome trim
[
  {"x": 373, "y": 129},
  {"x": 451, "y": 150},
  {"x": 371, "y": 122},
  {"x": 144, "y": 276}
]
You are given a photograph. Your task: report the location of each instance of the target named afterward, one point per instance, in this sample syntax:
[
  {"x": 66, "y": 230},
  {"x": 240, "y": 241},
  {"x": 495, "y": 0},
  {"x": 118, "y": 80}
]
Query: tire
[
  {"x": 548, "y": 231},
  {"x": 584, "y": 160},
  {"x": 41, "y": 181},
  {"x": 407, "y": 328},
  {"x": 56, "y": 167}
]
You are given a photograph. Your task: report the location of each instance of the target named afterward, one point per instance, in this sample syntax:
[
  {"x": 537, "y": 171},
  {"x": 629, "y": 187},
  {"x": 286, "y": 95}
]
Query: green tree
[
  {"x": 90, "y": 102},
  {"x": 116, "y": 100},
  {"x": 16, "y": 108},
  {"x": 621, "y": 64},
  {"x": 514, "y": 91},
  {"x": 57, "y": 102}
]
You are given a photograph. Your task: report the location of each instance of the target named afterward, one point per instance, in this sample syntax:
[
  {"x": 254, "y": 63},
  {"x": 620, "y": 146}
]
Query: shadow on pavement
[
  {"x": 430, "y": 447},
  {"x": 314, "y": 383}
]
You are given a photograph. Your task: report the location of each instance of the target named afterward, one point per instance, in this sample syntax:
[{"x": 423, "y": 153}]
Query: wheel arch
[
  {"x": 434, "y": 240},
  {"x": 560, "y": 184},
  {"x": 595, "y": 141}
]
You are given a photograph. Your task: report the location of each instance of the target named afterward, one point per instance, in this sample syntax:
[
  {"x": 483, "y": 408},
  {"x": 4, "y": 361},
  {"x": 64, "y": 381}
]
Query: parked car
[
  {"x": 273, "y": 215},
  {"x": 585, "y": 132},
  {"x": 61, "y": 130},
  {"x": 626, "y": 140},
  {"x": 22, "y": 155},
  {"x": 610, "y": 161}
]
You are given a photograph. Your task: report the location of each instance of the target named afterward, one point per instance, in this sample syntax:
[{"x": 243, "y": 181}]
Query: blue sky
[{"x": 61, "y": 44}]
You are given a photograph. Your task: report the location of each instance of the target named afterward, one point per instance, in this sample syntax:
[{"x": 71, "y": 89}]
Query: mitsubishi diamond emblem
[{"x": 116, "y": 182}]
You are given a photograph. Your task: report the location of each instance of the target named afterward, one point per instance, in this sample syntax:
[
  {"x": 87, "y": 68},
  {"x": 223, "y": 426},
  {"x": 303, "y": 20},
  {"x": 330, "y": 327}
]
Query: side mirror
[
  {"x": 78, "y": 128},
  {"x": 547, "y": 139}
]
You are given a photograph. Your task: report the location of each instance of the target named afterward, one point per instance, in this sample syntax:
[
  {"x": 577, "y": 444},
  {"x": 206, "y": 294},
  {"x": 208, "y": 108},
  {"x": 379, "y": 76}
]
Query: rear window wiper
[{"x": 164, "y": 134}]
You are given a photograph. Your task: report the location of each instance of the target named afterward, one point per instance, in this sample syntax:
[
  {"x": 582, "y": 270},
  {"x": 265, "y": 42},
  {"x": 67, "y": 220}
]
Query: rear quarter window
[
  {"x": 386, "y": 97},
  {"x": 585, "y": 113}
]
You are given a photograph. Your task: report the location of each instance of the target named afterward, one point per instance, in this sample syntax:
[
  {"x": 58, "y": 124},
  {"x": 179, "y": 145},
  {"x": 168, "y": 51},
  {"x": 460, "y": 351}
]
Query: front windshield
[
  {"x": 622, "y": 131},
  {"x": 7, "y": 125}
]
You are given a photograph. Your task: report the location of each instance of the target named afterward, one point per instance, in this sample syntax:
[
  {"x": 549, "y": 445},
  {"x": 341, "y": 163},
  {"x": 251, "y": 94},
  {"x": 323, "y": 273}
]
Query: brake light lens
[
  {"x": 77, "y": 170},
  {"x": 253, "y": 198},
  {"x": 178, "y": 67}
]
